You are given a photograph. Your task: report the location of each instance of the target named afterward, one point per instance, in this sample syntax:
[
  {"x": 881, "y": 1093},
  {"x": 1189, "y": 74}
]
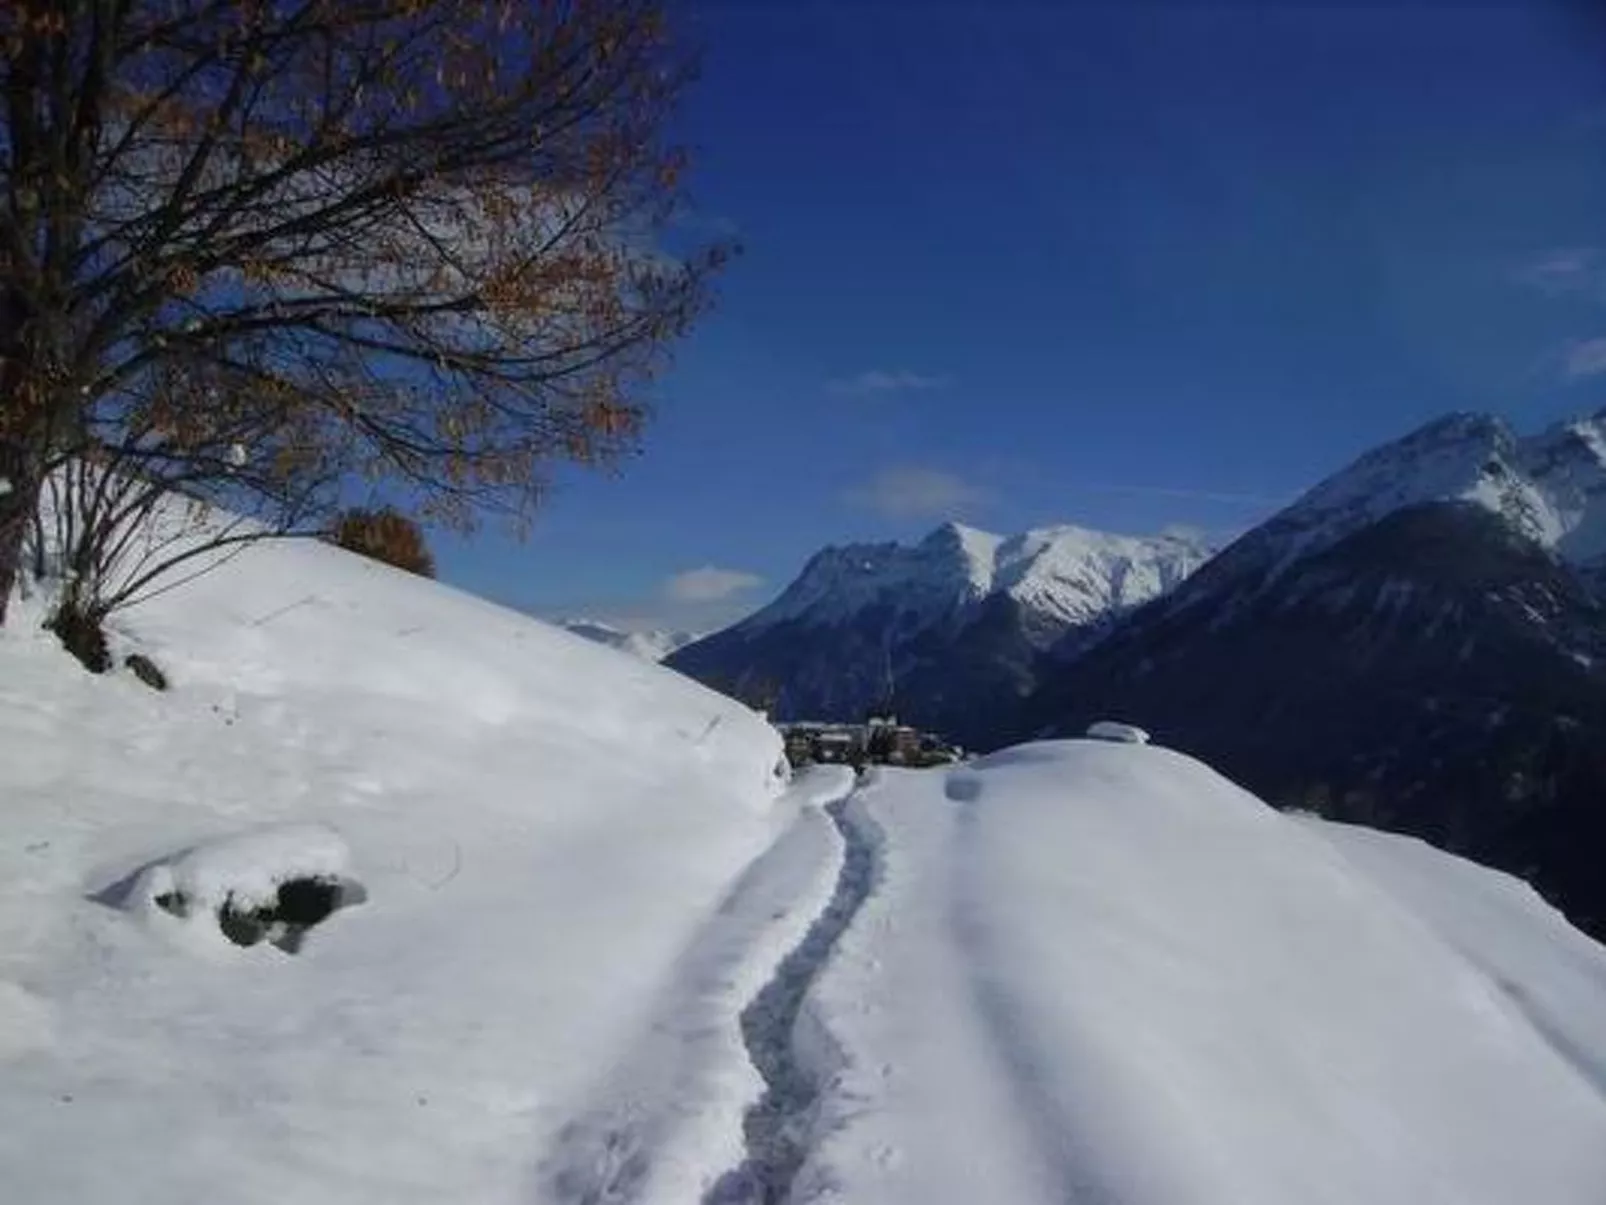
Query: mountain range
[
  {"x": 1418, "y": 642},
  {"x": 952, "y": 632}
]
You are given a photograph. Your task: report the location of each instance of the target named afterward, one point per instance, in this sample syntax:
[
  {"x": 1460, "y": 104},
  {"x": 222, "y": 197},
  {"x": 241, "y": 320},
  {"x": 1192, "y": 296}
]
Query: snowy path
[
  {"x": 922, "y": 1039},
  {"x": 778, "y": 1128},
  {"x": 670, "y": 1113}
]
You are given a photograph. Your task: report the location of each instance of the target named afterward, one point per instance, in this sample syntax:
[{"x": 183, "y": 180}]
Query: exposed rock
[
  {"x": 146, "y": 671},
  {"x": 300, "y": 904}
]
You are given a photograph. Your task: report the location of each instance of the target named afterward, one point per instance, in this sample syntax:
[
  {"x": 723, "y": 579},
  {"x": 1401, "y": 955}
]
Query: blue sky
[{"x": 1128, "y": 266}]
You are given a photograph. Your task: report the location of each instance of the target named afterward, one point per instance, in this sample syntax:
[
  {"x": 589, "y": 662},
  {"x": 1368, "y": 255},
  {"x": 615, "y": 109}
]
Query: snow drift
[
  {"x": 545, "y": 829},
  {"x": 1100, "y": 972}
]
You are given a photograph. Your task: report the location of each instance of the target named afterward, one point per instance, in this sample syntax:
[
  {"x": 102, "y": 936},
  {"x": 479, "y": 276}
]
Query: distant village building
[{"x": 879, "y": 741}]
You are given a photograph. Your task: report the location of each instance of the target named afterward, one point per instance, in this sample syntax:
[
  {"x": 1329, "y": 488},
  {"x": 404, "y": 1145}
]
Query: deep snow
[
  {"x": 1099, "y": 972},
  {"x": 563, "y": 918},
  {"x": 607, "y": 952}
]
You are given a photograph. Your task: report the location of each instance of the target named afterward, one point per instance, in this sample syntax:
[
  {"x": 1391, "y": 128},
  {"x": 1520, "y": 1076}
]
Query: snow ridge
[
  {"x": 1549, "y": 487},
  {"x": 652, "y": 644},
  {"x": 1068, "y": 574}
]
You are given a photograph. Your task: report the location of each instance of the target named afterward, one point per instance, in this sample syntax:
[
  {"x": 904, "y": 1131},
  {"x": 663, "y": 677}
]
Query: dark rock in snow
[
  {"x": 146, "y": 671},
  {"x": 299, "y": 905}
]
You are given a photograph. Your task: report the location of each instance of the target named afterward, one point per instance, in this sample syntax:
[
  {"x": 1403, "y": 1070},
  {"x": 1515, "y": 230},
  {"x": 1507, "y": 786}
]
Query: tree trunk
[
  {"x": 20, "y": 482},
  {"x": 19, "y": 498}
]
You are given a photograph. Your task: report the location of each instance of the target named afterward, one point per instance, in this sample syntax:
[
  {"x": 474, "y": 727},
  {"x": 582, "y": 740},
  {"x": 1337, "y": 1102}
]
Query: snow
[
  {"x": 1100, "y": 972},
  {"x": 608, "y": 950},
  {"x": 1550, "y": 487},
  {"x": 1069, "y": 574},
  {"x": 1553, "y": 974},
  {"x": 650, "y": 644},
  {"x": 180, "y": 897},
  {"x": 579, "y": 868},
  {"x": 1110, "y": 730},
  {"x": 248, "y": 868}
]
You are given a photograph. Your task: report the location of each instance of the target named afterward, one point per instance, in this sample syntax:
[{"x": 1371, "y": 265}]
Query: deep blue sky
[{"x": 1124, "y": 266}]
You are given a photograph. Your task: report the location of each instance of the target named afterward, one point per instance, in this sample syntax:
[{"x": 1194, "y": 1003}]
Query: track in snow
[
  {"x": 668, "y": 1085},
  {"x": 777, "y": 1128}
]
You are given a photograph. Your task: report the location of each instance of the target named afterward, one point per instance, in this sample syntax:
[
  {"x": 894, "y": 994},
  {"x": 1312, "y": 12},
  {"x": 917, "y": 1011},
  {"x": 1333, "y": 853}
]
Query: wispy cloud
[
  {"x": 1226, "y": 497},
  {"x": 1564, "y": 271},
  {"x": 880, "y": 381},
  {"x": 1585, "y": 358},
  {"x": 1574, "y": 274},
  {"x": 709, "y": 584},
  {"x": 912, "y": 492}
]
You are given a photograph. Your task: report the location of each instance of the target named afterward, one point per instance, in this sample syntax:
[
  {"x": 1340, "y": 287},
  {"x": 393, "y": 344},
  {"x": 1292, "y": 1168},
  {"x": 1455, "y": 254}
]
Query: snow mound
[
  {"x": 270, "y": 884},
  {"x": 546, "y": 828},
  {"x": 248, "y": 869},
  {"x": 1554, "y": 975},
  {"x": 1110, "y": 730},
  {"x": 1102, "y": 972}
]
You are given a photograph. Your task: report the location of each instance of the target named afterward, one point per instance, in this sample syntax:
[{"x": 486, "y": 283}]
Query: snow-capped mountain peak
[
  {"x": 1549, "y": 488},
  {"x": 973, "y": 551},
  {"x": 1077, "y": 575},
  {"x": 1068, "y": 574},
  {"x": 952, "y": 631}
]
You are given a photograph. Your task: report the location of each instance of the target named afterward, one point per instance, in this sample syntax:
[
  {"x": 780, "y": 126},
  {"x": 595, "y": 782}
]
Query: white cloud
[
  {"x": 880, "y": 381},
  {"x": 709, "y": 584},
  {"x": 1566, "y": 270},
  {"x": 911, "y": 492},
  {"x": 1585, "y": 358}
]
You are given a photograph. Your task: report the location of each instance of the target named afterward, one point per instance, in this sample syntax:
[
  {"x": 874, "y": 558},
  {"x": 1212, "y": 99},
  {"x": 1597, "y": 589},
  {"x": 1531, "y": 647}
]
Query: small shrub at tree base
[
  {"x": 385, "y": 535},
  {"x": 81, "y": 635}
]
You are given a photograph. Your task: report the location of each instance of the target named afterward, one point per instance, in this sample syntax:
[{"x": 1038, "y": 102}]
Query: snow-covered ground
[
  {"x": 1096, "y": 972},
  {"x": 594, "y": 947},
  {"x": 578, "y": 870}
]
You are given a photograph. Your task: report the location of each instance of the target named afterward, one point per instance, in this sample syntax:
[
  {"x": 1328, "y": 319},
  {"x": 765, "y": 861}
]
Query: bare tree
[{"x": 267, "y": 252}]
